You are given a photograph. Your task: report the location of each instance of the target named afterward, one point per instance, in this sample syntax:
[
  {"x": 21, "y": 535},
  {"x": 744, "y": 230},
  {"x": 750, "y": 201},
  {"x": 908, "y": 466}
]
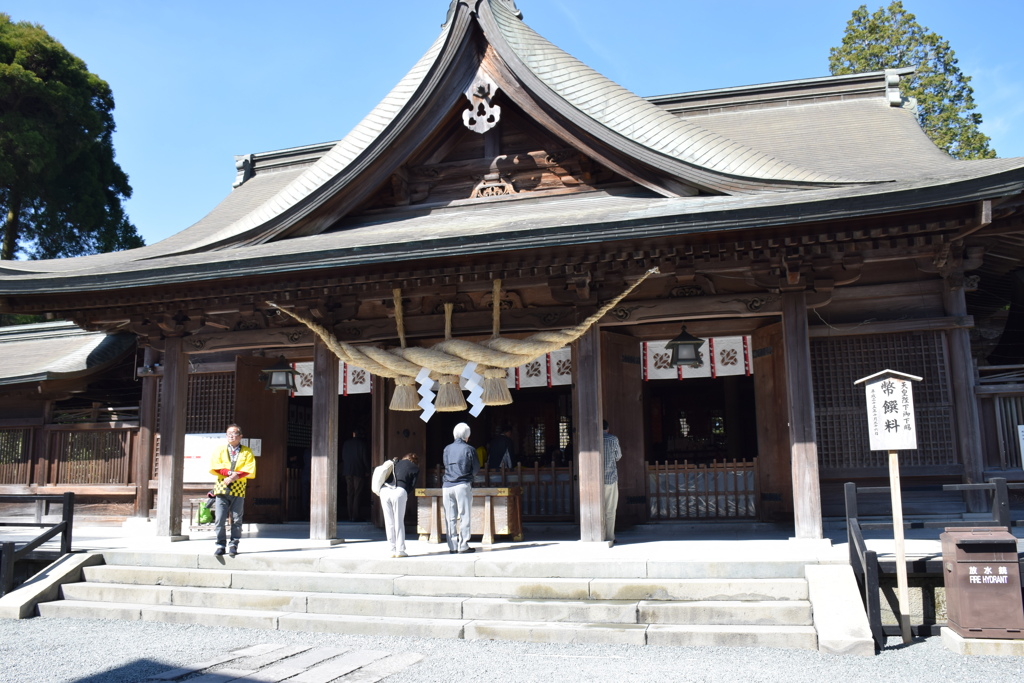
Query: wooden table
[{"x": 495, "y": 511}]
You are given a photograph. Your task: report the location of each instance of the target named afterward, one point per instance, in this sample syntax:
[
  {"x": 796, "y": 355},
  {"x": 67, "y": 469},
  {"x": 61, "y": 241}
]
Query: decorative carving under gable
[
  {"x": 756, "y": 303},
  {"x": 509, "y": 300},
  {"x": 492, "y": 185},
  {"x": 684, "y": 291},
  {"x": 482, "y": 114}
]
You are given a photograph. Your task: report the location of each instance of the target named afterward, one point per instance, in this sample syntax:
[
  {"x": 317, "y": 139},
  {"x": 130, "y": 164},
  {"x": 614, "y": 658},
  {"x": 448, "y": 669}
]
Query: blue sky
[{"x": 198, "y": 82}]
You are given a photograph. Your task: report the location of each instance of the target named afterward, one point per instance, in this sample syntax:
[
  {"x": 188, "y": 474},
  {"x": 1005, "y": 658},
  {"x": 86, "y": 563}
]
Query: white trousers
[
  {"x": 611, "y": 504},
  {"x": 393, "y": 499},
  {"x": 458, "y": 501}
]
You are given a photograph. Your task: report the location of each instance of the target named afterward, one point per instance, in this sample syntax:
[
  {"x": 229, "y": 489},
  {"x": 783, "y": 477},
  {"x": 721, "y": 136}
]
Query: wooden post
[
  {"x": 172, "y": 440},
  {"x": 147, "y": 431},
  {"x": 378, "y": 438},
  {"x": 802, "y": 438},
  {"x": 965, "y": 403},
  {"x": 587, "y": 397},
  {"x": 323, "y": 495},
  {"x": 901, "y": 553}
]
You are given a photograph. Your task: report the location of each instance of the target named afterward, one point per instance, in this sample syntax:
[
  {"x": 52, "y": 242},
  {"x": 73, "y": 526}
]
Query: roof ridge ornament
[{"x": 482, "y": 115}]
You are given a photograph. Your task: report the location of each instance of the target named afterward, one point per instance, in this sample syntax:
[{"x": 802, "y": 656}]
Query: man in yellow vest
[{"x": 234, "y": 464}]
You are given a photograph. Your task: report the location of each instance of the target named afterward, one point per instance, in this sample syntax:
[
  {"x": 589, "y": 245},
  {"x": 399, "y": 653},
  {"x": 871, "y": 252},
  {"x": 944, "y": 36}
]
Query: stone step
[
  {"x": 317, "y": 582},
  {"x": 726, "y": 612},
  {"x": 568, "y": 611},
  {"x": 261, "y": 619},
  {"x": 793, "y": 637},
  {"x": 423, "y": 607},
  {"x": 528, "y": 631},
  {"x": 447, "y": 586},
  {"x": 479, "y": 565},
  {"x": 408, "y": 606},
  {"x": 554, "y": 632},
  {"x": 699, "y": 589}
]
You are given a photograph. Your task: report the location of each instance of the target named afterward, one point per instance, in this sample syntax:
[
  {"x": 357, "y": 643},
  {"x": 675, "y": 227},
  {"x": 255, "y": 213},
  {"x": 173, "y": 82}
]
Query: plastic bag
[{"x": 205, "y": 514}]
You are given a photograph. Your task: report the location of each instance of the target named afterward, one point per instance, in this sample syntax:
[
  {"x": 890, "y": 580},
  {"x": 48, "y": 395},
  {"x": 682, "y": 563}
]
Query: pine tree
[{"x": 891, "y": 38}]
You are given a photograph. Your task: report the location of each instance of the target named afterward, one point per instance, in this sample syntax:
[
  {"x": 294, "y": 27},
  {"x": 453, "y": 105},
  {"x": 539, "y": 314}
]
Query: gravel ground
[{"x": 44, "y": 650}]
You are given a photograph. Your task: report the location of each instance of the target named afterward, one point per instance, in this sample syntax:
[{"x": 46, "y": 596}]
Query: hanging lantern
[
  {"x": 280, "y": 376},
  {"x": 686, "y": 350}
]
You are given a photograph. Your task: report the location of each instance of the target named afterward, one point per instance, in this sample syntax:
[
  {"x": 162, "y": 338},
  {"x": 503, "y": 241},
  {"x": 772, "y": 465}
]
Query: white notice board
[
  {"x": 891, "y": 414},
  {"x": 199, "y": 450}
]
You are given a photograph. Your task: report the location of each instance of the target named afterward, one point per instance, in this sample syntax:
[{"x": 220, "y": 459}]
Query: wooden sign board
[{"x": 890, "y": 400}]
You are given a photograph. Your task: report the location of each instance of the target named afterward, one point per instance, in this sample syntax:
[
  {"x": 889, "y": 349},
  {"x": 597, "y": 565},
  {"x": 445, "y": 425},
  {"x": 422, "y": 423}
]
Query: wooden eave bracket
[{"x": 794, "y": 273}]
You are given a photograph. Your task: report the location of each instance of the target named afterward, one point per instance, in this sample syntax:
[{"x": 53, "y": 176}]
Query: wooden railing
[
  {"x": 549, "y": 492},
  {"x": 715, "y": 490},
  {"x": 16, "y": 455},
  {"x": 10, "y": 553},
  {"x": 866, "y": 567},
  {"x": 69, "y": 455},
  {"x": 80, "y": 455},
  {"x": 1000, "y": 391}
]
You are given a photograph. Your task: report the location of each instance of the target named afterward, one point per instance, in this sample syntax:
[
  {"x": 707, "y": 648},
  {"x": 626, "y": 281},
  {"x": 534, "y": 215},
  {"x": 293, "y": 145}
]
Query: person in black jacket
[
  {"x": 394, "y": 496},
  {"x": 460, "y": 466},
  {"x": 355, "y": 466},
  {"x": 501, "y": 451}
]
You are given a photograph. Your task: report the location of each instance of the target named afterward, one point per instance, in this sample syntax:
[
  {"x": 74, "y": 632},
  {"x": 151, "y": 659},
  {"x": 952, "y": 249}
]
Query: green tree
[
  {"x": 891, "y": 38},
  {"x": 60, "y": 188}
]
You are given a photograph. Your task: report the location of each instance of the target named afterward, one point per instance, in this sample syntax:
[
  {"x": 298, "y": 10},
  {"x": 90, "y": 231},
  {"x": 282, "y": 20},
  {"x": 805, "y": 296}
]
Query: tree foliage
[
  {"x": 60, "y": 188},
  {"x": 891, "y": 38}
]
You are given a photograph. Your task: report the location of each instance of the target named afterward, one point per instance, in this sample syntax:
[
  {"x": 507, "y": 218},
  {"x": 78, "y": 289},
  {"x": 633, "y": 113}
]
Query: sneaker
[
  {"x": 401, "y": 553},
  {"x": 467, "y": 550},
  {"x": 219, "y": 551},
  {"x": 232, "y": 551}
]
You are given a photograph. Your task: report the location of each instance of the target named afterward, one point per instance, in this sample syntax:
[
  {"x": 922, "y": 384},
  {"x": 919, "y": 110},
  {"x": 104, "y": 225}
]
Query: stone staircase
[{"x": 482, "y": 596}]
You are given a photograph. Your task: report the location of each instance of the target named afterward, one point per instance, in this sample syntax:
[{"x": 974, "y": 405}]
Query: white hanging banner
[
  {"x": 731, "y": 356},
  {"x": 657, "y": 362},
  {"x": 722, "y": 356},
  {"x": 560, "y": 367},
  {"x": 354, "y": 380},
  {"x": 533, "y": 374},
  {"x": 351, "y": 380},
  {"x": 303, "y": 379}
]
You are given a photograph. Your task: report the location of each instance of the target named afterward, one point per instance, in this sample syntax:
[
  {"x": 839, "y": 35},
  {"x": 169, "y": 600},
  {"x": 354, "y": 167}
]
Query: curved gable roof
[
  {"x": 638, "y": 120},
  {"x": 682, "y": 150}
]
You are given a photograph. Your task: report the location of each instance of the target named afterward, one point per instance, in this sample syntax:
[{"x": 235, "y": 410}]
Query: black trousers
[{"x": 354, "y": 487}]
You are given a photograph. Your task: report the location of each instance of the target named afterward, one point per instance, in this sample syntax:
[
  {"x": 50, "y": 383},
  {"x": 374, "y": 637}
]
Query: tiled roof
[
  {"x": 524, "y": 222},
  {"x": 49, "y": 351},
  {"x": 638, "y": 119},
  {"x": 814, "y": 131}
]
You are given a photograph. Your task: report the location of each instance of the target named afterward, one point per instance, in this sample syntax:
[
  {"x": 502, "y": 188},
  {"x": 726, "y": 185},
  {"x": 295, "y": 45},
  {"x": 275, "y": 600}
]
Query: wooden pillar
[
  {"x": 172, "y": 439},
  {"x": 802, "y": 442},
  {"x": 378, "y": 431},
  {"x": 147, "y": 431},
  {"x": 965, "y": 405},
  {"x": 587, "y": 399},
  {"x": 323, "y": 495}
]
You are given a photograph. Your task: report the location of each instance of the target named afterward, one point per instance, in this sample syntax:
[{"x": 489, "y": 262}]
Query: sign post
[{"x": 891, "y": 428}]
